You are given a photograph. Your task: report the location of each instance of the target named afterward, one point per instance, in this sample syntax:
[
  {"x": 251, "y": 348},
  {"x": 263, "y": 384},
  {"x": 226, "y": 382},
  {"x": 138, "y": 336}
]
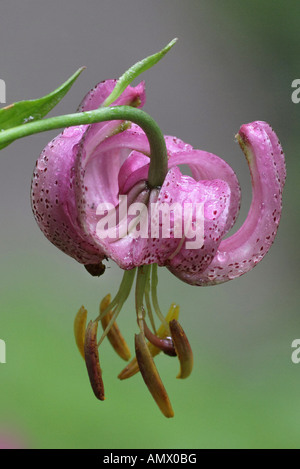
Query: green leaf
[
  {"x": 135, "y": 71},
  {"x": 14, "y": 119},
  {"x": 23, "y": 112}
]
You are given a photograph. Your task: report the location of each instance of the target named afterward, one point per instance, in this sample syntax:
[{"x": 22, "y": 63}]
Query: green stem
[
  {"x": 123, "y": 293},
  {"x": 158, "y": 151},
  {"x": 147, "y": 299},
  {"x": 154, "y": 283},
  {"x": 134, "y": 71},
  {"x": 141, "y": 280},
  {"x": 110, "y": 324}
]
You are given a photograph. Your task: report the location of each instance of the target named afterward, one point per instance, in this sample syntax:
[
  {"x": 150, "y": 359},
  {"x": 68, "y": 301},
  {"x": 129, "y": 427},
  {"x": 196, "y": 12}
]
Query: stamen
[
  {"x": 105, "y": 303},
  {"x": 165, "y": 345},
  {"x": 79, "y": 329},
  {"x": 92, "y": 360},
  {"x": 114, "y": 335},
  {"x": 123, "y": 126},
  {"x": 151, "y": 377},
  {"x": 173, "y": 313},
  {"x": 132, "y": 368},
  {"x": 183, "y": 349}
]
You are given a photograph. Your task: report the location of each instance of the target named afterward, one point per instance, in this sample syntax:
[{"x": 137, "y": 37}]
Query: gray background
[{"x": 234, "y": 62}]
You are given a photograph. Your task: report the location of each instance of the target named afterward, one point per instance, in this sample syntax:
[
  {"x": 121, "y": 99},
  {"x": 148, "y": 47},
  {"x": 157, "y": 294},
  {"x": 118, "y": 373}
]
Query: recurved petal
[{"x": 243, "y": 250}]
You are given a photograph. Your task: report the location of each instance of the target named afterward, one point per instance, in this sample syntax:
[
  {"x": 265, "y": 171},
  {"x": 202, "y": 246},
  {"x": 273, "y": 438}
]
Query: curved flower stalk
[{"x": 110, "y": 191}]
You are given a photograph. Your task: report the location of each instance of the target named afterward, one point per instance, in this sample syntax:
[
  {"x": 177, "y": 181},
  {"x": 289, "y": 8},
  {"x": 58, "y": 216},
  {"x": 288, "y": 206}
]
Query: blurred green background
[{"x": 234, "y": 63}]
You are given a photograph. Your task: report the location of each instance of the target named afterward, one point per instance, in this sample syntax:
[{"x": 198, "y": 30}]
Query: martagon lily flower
[{"x": 89, "y": 167}]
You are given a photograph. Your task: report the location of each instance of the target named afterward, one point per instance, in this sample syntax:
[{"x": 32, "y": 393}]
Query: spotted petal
[
  {"x": 55, "y": 190},
  {"x": 242, "y": 251}
]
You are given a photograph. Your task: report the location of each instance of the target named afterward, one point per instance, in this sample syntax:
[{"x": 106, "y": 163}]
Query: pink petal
[
  {"x": 98, "y": 133},
  {"x": 206, "y": 166},
  {"x": 215, "y": 195},
  {"x": 96, "y": 96},
  {"x": 52, "y": 198},
  {"x": 133, "y": 139},
  {"x": 241, "y": 252},
  {"x": 74, "y": 152},
  {"x": 134, "y": 169},
  {"x": 166, "y": 248}
]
